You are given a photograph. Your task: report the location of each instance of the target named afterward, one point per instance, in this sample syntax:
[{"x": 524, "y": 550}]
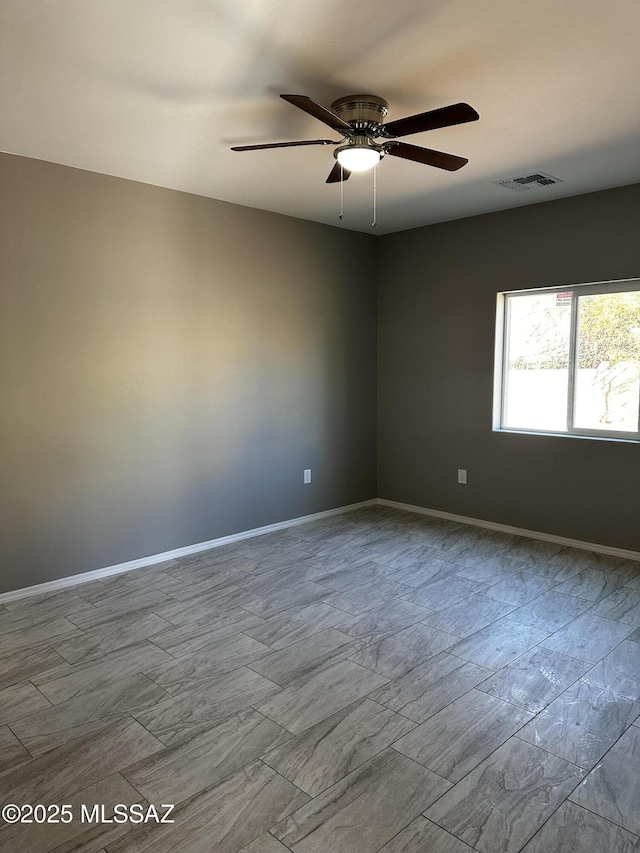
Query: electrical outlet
[
  {"x": 306, "y": 476},
  {"x": 462, "y": 476}
]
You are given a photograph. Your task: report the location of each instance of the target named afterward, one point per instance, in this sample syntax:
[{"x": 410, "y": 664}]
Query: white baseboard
[
  {"x": 516, "y": 531},
  {"x": 120, "y": 568},
  {"x": 131, "y": 565}
]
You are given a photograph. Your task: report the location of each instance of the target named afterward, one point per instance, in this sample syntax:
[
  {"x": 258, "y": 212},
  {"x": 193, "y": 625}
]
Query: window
[{"x": 568, "y": 360}]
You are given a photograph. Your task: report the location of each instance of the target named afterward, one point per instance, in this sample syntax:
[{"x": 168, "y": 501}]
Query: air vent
[{"x": 527, "y": 182}]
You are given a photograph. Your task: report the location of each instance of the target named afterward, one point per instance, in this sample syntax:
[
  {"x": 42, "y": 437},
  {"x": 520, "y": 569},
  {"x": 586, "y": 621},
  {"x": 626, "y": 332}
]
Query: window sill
[{"x": 614, "y": 438}]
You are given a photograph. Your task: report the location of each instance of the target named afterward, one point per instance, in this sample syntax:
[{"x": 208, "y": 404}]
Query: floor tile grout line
[
  {"x": 413, "y": 820},
  {"x": 129, "y": 782},
  {"x": 484, "y": 666},
  {"x": 493, "y": 673},
  {"x": 591, "y": 811},
  {"x": 150, "y": 640},
  {"x": 424, "y": 766},
  {"x": 268, "y": 832},
  {"x": 15, "y": 720},
  {"x": 107, "y": 719},
  {"x": 566, "y": 800},
  {"x": 562, "y": 627},
  {"x": 400, "y": 714},
  {"x": 357, "y": 703},
  {"x": 260, "y": 759},
  {"x": 594, "y": 664},
  {"x": 586, "y": 770},
  {"x": 102, "y": 778},
  {"x": 397, "y": 713},
  {"x": 79, "y": 594},
  {"x": 308, "y": 637},
  {"x": 540, "y": 646},
  {"x": 513, "y": 734},
  {"x": 132, "y": 715},
  {"x": 416, "y": 725},
  {"x": 415, "y": 666},
  {"x": 48, "y": 701},
  {"x": 546, "y": 819},
  {"x": 355, "y": 615},
  {"x": 519, "y": 707},
  {"x": 23, "y": 745},
  {"x": 600, "y": 760}
]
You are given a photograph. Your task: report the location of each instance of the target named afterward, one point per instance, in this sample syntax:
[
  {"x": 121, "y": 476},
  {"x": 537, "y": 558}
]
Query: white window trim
[{"x": 500, "y": 363}]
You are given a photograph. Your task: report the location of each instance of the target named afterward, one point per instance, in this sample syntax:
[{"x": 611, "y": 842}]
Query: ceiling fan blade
[
  {"x": 284, "y": 144},
  {"x": 334, "y": 174},
  {"x": 427, "y": 156},
  {"x": 444, "y": 117},
  {"x": 318, "y": 111}
]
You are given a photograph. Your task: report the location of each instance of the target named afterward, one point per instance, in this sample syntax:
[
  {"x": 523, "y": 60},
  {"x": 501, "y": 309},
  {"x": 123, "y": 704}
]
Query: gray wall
[
  {"x": 437, "y": 303},
  {"x": 168, "y": 366}
]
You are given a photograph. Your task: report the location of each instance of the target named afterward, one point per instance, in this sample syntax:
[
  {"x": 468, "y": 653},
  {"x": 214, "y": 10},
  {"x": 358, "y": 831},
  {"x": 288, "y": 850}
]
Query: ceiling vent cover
[{"x": 527, "y": 182}]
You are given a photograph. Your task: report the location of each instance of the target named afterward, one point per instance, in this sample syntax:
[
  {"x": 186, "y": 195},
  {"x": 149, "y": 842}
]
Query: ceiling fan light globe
[{"x": 356, "y": 159}]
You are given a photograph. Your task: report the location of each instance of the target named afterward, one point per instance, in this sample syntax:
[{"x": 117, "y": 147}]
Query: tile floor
[{"x": 377, "y": 681}]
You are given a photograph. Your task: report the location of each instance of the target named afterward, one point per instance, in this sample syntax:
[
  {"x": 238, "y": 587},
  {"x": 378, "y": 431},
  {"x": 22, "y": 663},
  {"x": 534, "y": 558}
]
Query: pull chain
[
  {"x": 341, "y": 193},
  {"x": 374, "y": 224}
]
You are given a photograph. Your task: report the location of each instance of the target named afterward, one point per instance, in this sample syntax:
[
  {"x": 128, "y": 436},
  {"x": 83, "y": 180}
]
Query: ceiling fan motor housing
[{"x": 362, "y": 112}]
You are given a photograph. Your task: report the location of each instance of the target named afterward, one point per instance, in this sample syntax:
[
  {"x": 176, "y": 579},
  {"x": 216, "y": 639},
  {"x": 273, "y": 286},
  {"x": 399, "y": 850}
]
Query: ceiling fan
[{"x": 359, "y": 118}]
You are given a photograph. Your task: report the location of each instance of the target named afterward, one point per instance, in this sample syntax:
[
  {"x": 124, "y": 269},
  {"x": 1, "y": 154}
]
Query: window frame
[{"x": 501, "y": 349}]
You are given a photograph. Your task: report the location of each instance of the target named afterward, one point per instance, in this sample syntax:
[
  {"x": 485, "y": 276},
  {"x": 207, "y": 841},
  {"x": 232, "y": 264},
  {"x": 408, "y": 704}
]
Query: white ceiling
[{"x": 157, "y": 91}]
